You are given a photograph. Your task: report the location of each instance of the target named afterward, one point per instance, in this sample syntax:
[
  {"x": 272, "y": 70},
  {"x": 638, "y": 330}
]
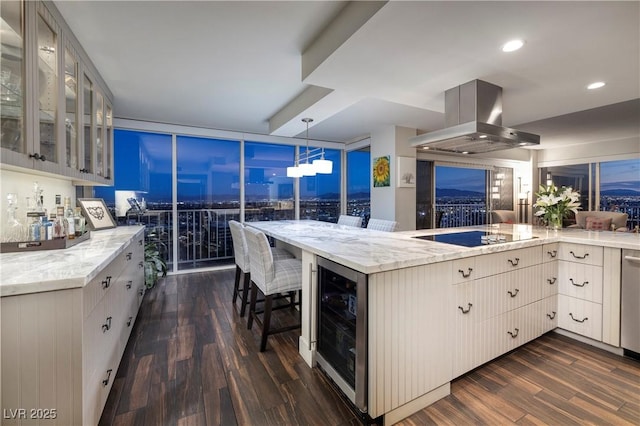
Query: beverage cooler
[{"x": 342, "y": 329}]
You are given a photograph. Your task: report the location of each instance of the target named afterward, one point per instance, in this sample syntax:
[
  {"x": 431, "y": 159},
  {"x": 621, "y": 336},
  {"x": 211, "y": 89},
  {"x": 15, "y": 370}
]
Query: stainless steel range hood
[{"x": 473, "y": 120}]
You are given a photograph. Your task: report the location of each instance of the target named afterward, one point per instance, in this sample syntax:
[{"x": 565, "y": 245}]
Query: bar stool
[
  {"x": 273, "y": 278},
  {"x": 382, "y": 225},
  {"x": 241, "y": 254},
  {"x": 356, "y": 221}
]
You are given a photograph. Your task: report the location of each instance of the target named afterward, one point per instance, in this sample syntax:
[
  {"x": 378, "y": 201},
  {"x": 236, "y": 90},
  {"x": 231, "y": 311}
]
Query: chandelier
[{"x": 303, "y": 164}]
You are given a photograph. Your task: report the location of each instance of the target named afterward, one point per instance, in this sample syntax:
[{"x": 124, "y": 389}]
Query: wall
[
  {"x": 391, "y": 202},
  {"x": 599, "y": 151},
  {"x": 22, "y": 184}
]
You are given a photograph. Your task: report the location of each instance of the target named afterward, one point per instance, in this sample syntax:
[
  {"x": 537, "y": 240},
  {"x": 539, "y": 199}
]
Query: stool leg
[
  {"x": 245, "y": 292},
  {"x": 236, "y": 284},
  {"x": 252, "y": 305},
  {"x": 292, "y": 300},
  {"x": 266, "y": 322}
]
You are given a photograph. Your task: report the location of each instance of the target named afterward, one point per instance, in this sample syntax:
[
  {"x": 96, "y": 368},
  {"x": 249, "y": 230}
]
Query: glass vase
[{"x": 555, "y": 223}]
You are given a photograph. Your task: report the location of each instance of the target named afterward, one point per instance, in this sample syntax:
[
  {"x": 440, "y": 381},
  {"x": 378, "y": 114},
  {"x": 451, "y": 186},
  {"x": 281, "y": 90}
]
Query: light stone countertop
[
  {"x": 370, "y": 251},
  {"x": 49, "y": 270}
]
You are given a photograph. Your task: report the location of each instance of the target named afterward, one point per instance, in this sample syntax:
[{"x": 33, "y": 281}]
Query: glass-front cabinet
[
  {"x": 51, "y": 92},
  {"x": 72, "y": 147},
  {"x": 12, "y": 105}
]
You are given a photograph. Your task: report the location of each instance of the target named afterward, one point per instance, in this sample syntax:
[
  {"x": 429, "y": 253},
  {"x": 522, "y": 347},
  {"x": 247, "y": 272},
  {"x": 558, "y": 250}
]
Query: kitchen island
[{"x": 436, "y": 311}]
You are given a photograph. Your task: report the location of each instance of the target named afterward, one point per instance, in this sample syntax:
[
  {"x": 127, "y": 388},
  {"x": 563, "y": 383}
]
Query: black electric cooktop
[{"x": 472, "y": 238}]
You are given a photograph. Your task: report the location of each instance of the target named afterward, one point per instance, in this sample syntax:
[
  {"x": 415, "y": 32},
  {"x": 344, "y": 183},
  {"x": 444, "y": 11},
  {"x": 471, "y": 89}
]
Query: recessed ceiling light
[
  {"x": 596, "y": 85},
  {"x": 465, "y": 152},
  {"x": 425, "y": 147},
  {"x": 482, "y": 136},
  {"x": 512, "y": 45}
]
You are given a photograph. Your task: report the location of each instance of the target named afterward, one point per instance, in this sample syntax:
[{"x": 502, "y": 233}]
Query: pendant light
[{"x": 307, "y": 168}]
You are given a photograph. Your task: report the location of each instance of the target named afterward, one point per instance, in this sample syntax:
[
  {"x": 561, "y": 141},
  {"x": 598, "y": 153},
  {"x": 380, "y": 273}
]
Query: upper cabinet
[{"x": 56, "y": 110}]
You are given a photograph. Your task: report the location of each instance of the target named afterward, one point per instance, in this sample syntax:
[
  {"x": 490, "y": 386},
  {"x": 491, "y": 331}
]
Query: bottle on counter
[
  {"x": 35, "y": 227},
  {"x": 79, "y": 222},
  {"x": 62, "y": 231},
  {"x": 56, "y": 227},
  {"x": 69, "y": 220}
]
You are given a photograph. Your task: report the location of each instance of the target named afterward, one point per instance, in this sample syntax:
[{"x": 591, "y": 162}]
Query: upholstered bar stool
[
  {"x": 382, "y": 225},
  {"x": 356, "y": 221},
  {"x": 272, "y": 278},
  {"x": 241, "y": 254}
]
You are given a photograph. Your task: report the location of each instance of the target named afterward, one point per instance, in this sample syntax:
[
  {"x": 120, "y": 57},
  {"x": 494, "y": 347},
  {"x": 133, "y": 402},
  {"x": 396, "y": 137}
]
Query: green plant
[
  {"x": 554, "y": 204},
  {"x": 154, "y": 265}
]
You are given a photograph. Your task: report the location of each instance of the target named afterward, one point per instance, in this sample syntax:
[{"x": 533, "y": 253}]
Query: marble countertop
[
  {"x": 370, "y": 251},
  {"x": 48, "y": 270}
]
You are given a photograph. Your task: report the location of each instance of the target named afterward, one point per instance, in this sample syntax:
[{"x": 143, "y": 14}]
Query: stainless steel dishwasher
[{"x": 630, "y": 327}]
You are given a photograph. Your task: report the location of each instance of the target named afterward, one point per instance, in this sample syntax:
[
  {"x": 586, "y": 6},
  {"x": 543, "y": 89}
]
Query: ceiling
[{"x": 259, "y": 67}]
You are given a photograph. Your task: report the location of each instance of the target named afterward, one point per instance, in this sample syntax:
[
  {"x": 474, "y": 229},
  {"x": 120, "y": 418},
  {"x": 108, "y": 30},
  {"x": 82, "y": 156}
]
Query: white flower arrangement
[{"x": 554, "y": 204}]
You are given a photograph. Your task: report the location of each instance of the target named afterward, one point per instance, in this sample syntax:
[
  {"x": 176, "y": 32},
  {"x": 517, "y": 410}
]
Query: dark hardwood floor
[{"x": 191, "y": 361}]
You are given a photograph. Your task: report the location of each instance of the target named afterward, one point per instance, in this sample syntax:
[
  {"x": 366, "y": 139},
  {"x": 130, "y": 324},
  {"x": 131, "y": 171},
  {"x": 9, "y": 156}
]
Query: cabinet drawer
[
  {"x": 580, "y": 253},
  {"x": 550, "y": 252},
  {"x": 547, "y": 313},
  {"x": 550, "y": 279},
  {"x": 581, "y": 281},
  {"x": 501, "y": 293},
  {"x": 511, "y": 260},
  {"x": 580, "y": 316},
  {"x": 463, "y": 270},
  {"x": 101, "y": 284}
]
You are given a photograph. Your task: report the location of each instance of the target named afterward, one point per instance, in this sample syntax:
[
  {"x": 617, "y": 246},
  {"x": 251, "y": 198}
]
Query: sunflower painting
[{"x": 381, "y": 171}]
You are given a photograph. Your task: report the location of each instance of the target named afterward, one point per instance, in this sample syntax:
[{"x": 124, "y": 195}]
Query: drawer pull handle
[
  {"x": 579, "y": 257},
  {"x": 140, "y": 264},
  {"x": 106, "y": 282},
  {"x": 131, "y": 318},
  {"x": 468, "y": 274},
  {"x": 139, "y": 242},
  {"x": 107, "y": 325},
  {"x": 552, "y": 253},
  {"x": 128, "y": 284},
  {"x": 128, "y": 256},
  {"x": 552, "y": 315},
  {"x": 513, "y": 294},
  {"x": 469, "y": 305},
  {"x": 514, "y": 263},
  {"x": 141, "y": 292},
  {"x": 514, "y": 335},
  {"x": 105, "y": 382},
  {"x": 577, "y": 320},
  {"x": 552, "y": 281},
  {"x": 578, "y": 285}
]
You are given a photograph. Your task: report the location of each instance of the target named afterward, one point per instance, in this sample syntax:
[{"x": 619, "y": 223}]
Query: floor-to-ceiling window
[
  {"x": 460, "y": 196},
  {"x": 268, "y": 192},
  {"x": 208, "y": 196},
  {"x": 576, "y": 176},
  {"x": 320, "y": 194},
  {"x": 620, "y": 188},
  {"x": 142, "y": 191},
  {"x": 359, "y": 184}
]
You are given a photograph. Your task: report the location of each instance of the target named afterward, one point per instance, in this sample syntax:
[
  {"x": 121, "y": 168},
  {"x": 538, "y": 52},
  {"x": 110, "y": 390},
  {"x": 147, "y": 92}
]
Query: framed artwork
[
  {"x": 96, "y": 213},
  {"x": 382, "y": 171},
  {"x": 406, "y": 172}
]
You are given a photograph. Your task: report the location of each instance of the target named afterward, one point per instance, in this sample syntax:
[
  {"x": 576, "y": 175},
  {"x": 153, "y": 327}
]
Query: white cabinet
[
  {"x": 61, "y": 349},
  {"x": 500, "y": 302},
  {"x": 580, "y": 289},
  {"x": 42, "y": 97},
  {"x": 589, "y": 291}
]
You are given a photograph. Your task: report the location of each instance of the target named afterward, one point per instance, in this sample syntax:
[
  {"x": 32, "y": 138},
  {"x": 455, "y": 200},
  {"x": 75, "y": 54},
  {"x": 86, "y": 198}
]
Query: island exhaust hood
[{"x": 473, "y": 119}]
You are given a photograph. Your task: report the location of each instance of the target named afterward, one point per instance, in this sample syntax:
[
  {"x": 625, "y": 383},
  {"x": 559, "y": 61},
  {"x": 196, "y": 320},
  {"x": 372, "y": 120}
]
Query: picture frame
[
  {"x": 406, "y": 172},
  {"x": 96, "y": 213}
]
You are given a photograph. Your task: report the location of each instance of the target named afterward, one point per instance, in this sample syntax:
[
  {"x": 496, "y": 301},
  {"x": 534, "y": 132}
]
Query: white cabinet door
[
  {"x": 580, "y": 316},
  {"x": 580, "y": 280},
  {"x": 465, "y": 329},
  {"x": 504, "y": 292}
]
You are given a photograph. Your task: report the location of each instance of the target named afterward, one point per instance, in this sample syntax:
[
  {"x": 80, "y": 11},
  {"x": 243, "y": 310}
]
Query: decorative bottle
[
  {"x": 69, "y": 221},
  {"x": 79, "y": 222}
]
